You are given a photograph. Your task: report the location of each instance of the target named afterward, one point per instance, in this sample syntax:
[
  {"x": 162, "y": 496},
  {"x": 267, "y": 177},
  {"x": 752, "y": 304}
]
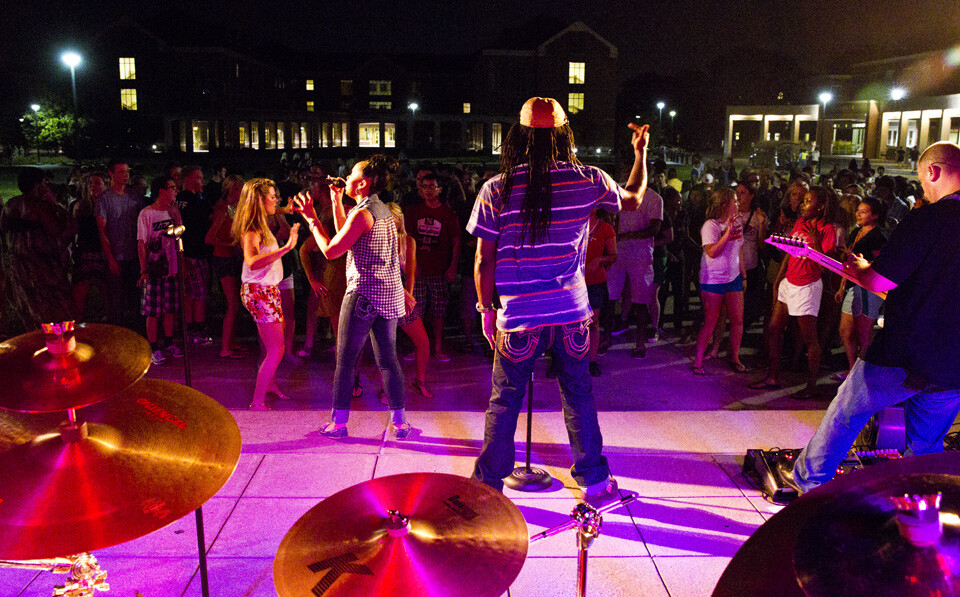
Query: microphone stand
[
  {"x": 527, "y": 478},
  {"x": 176, "y": 232}
]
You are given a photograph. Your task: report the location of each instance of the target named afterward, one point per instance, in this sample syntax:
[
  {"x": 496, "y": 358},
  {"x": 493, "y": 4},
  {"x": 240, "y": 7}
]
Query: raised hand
[
  {"x": 292, "y": 241},
  {"x": 641, "y": 137},
  {"x": 303, "y": 205}
]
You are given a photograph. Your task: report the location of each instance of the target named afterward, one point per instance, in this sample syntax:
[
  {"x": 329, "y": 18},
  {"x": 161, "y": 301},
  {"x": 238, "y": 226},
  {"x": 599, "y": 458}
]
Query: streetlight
[
  {"x": 825, "y": 98},
  {"x": 898, "y": 93},
  {"x": 36, "y": 129},
  {"x": 73, "y": 60},
  {"x": 413, "y": 107},
  {"x": 673, "y": 134},
  {"x": 660, "y": 107}
]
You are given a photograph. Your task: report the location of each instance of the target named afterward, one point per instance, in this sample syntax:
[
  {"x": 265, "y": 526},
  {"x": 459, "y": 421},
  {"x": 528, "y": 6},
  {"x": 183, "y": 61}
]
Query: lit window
[
  {"x": 466, "y": 107},
  {"x": 281, "y": 142},
  {"x": 128, "y": 99},
  {"x": 346, "y": 87},
  {"x": 476, "y": 136},
  {"x": 304, "y": 135},
  {"x": 577, "y": 74},
  {"x": 309, "y": 84},
  {"x": 496, "y": 134},
  {"x": 324, "y": 134},
  {"x": 201, "y": 136},
  {"x": 269, "y": 138},
  {"x": 128, "y": 68},
  {"x": 255, "y": 135},
  {"x": 389, "y": 134},
  {"x": 369, "y": 134},
  {"x": 309, "y": 106},
  {"x": 242, "y": 139},
  {"x": 381, "y": 105},
  {"x": 574, "y": 102},
  {"x": 381, "y": 88}
]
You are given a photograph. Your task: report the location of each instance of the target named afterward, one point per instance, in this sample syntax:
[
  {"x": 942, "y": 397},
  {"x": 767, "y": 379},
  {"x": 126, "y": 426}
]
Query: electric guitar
[{"x": 797, "y": 247}]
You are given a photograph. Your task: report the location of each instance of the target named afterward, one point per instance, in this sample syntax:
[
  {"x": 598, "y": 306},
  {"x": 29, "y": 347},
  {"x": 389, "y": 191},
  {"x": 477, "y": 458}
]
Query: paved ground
[{"x": 673, "y": 438}]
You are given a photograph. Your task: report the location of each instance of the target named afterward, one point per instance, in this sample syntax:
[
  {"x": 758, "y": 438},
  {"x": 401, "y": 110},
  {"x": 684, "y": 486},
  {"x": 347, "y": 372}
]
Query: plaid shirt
[{"x": 373, "y": 263}]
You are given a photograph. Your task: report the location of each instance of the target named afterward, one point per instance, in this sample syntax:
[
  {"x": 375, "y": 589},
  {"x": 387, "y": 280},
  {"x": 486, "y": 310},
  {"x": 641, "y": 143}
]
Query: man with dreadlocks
[{"x": 532, "y": 224}]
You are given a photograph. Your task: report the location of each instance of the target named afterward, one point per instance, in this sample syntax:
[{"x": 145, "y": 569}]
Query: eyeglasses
[
  {"x": 171, "y": 187},
  {"x": 429, "y": 186}
]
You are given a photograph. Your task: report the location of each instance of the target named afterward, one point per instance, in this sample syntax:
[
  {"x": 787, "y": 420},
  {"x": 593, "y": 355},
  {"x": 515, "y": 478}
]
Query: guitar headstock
[{"x": 787, "y": 241}]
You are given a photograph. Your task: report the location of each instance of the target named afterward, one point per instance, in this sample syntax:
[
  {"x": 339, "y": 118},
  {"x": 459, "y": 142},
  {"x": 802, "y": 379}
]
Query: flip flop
[
  {"x": 276, "y": 392},
  {"x": 233, "y": 355},
  {"x": 764, "y": 385},
  {"x": 737, "y": 367},
  {"x": 698, "y": 370},
  {"x": 805, "y": 394}
]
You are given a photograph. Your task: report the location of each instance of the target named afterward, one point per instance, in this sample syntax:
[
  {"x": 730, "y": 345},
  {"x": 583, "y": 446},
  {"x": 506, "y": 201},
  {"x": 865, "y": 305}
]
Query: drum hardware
[
  {"x": 587, "y": 520},
  {"x": 85, "y": 578}
]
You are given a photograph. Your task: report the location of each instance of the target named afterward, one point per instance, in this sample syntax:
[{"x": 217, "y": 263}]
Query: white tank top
[{"x": 269, "y": 275}]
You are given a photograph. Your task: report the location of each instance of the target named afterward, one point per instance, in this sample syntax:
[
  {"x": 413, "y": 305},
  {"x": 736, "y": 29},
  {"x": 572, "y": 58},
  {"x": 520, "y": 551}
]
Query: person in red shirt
[
  {"x": 601, "y": 253},
  {"x": 799, "y": 287}
]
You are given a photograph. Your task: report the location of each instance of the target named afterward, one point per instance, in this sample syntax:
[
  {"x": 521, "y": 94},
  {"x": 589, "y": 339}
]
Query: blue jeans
[
  {"x": 512, "y": 365},
  {"x": 929, "y": 413},
  {"x": 358, "y": 319}
]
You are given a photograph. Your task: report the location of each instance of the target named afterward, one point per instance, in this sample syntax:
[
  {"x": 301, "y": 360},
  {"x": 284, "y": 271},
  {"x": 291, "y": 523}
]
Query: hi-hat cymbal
[
  {"x": 106, "y": 360},
  {"x": 842, "y": 538},
  {"x": 151, "y": 455},
  {"x": 462, "y": 538}
]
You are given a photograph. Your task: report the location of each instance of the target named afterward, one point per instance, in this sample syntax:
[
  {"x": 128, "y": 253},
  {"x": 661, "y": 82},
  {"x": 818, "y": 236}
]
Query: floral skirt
[{"x": 263, "y": 302}]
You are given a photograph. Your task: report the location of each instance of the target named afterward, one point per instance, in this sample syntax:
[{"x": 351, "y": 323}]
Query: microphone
[
  {"x": 336, "y": 182},
  {"x": 174, "y": 231}
]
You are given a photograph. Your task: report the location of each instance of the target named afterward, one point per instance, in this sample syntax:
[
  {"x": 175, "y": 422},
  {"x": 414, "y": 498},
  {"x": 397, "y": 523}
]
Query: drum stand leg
[
  {"x": 587, "y": 520},
  {"x": 188, "y": 381},
  {"x": 85, "y": 578},
  {"x": 527, "y": 478}
]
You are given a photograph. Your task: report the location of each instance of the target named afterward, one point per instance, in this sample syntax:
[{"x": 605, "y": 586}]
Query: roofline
[{"x": 578, "y": 27}]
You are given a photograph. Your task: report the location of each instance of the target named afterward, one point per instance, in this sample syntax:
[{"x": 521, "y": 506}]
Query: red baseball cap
[{"x": 542, "y": 113}]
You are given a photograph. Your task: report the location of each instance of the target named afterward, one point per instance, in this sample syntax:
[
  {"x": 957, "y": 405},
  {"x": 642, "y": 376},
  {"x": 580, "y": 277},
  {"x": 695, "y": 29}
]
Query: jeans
[
  {"x": 513, "y": 363},
  {"x": 123, "y": 295},
  {"x": 929, "y": 413},
  {"x": 359, "y": 319}
]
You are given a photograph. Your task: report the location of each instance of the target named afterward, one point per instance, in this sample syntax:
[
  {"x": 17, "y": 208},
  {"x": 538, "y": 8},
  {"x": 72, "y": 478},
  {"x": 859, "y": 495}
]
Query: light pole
[
  {"x": 413, "y": 107},
  {"x": 673, "y": 133},
  {"x": 73, "y": 60},
  {"x": 660, "y": 107},
  {"x": 825, "y": 97},
  {"x": 36, "y": 129}
]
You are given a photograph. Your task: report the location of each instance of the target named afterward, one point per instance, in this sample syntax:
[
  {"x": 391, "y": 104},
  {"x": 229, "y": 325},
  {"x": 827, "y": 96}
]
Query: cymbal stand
[
  {"x": 587, "y": 520},
  {"x": 176, "y": 232},
  {"x": 85, "y": 578},
  {"x": 526, "y": 478}
]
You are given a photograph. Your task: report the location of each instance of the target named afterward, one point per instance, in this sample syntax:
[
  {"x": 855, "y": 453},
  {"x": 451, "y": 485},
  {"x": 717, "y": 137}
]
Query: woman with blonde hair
[
  {"x": 412, "y": 322},
  {"x": 260, "y": 275},
  {"x": 227, "y": 261},
  {"x": 722, "y": 275}
]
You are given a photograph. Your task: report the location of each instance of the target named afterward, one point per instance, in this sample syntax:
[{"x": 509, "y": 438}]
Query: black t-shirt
[
  {"x": 870, "y": 245},
  {"x": 921, "y": 330},
  {"x": 197, "y": 213}
]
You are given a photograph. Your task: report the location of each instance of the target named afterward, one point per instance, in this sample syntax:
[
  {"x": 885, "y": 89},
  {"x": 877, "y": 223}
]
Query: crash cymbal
[
  {"x": 105, "y": 360},
  {"x": 460, "y": 538},
  {"x": 842, "y": 538},
  {"x": 136, "y": 463}
]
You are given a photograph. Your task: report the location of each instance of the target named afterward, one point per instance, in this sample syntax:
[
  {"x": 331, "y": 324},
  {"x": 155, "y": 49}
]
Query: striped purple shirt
[{"x": 543, "y": 284}]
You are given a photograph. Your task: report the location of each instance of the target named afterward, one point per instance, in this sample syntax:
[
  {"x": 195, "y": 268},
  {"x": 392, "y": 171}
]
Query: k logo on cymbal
[{"x": 338, "y": 566}]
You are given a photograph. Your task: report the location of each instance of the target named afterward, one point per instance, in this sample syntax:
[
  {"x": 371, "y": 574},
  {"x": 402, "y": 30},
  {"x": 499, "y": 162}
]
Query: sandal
[
  {"x": 763, "y": 384},
  {"x": 259, "y": 407},
  {"x": 383, "y": 397},
  {"x": 698, "y": 370},
  {"x": 333, "y": 430},
  {"x": 421, "y": 386},
  {"x": 737, "y": 367},
  {"x": 401, "y": 431},
  {"x": 276, "y": 392},
  {"x": 806, "y": 394},
  {"x": 305, "y": 353},
  {"x": 357, "y": 388},
  {"x": 233, "y": 355}
]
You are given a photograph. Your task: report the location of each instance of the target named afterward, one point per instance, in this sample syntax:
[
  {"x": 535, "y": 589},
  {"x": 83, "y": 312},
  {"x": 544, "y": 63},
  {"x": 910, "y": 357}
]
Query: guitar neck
[{"x": 798, "y": 248}]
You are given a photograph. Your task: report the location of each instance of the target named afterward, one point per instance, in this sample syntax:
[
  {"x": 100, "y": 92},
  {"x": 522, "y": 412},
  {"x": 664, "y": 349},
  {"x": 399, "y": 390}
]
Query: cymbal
[
  {"x": 150, "y": 455},
  {"x": 462, "y": 538},
  {"x": 107, "y": 359},
  {"x": 842, "y": 538}
]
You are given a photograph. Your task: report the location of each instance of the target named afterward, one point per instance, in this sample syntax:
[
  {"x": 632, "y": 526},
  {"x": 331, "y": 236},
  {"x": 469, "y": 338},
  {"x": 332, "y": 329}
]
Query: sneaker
[
  {"x": 332, "y": 430},
  {"x": 594, "y": 368},
  {"x": 409, "y": 356},
  {"x": 203, "y": 338},
  {"x": 619, "y": 327},
  {"x": 401, "y": 432},
  {"x": 639, "y": 352},
  {"x": 655, "y": 337},
  {"x": 603, "y": 346},
  {"x": 175, "y": 351},
  {"x": 604, "y": 496},
  {"x": 159, "y": 357},
  {"x": 443, "y": 358}
]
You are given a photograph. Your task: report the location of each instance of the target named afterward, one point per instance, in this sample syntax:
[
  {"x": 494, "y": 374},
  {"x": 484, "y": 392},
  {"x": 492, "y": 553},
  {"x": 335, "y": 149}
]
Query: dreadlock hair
[{"x": 537, "y": 149}]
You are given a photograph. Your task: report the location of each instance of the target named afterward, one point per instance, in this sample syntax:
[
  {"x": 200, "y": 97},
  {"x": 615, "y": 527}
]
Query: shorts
[
  {"x": 735, "y": 285},
  {"x": 860, "y": 301},
  {"x": 801, "y": 300},
  {"x": 432, "y": 291},
  {"x": 160, "y": 295},
  {"x": 638, "y": 273},
  {"x": 226, "y": 267},
  {"x": 263, "y": 302},
  {"x": 197, "y": 273},
  {"x": 597, "y": 294},
  {"x": 286, "y": 283}
]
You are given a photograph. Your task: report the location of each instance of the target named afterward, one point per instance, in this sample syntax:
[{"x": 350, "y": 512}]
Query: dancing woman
[
  {"x": 260, "y": 275},
  {"x": 375, "y": 297}
]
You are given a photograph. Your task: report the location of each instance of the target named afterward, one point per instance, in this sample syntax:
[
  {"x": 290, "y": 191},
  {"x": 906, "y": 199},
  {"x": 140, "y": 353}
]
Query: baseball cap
[{"x": 542, "y": 113}]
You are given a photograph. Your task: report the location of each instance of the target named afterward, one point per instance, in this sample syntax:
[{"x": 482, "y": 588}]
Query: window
[
  {"x": 341, "y": 134},
  {"x": 128, "y": 68},
  {"x": 310, "y": 106},
  {"x": 242, "y": 138},
  {"x": 496, "y": 133},
  {"x": 201, "y": 136},
  {"x": 577, "y": 73},
  {"x": 381, "y": 105},
  {"x": 269, "y": 135},
  {"x": 128, "y": 99},
  {"x": 309, "y": 84},
  {"x": 475, "y": 136},
  {"x": 389, "y": 134},
  {"x": 381, "y": 88},
  {"x": 324, "y": 136},
  {"x": 466, "y": 107},
  {"x": 574, "y": 102},
  {"x": 369, "y": 134},
  {"x": 255, "y": 135},
  {"x": 893, "y": 133},
  {"x": 294, "y": 136},
  {"x": 304, "y": 135},
  {"x": 346, "y": 87},
  {"x": 281, "y": 142}
]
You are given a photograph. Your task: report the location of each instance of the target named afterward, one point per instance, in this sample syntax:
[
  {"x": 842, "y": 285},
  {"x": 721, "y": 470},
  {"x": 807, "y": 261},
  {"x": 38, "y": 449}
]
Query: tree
[{"x": 51, "y": 125}]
